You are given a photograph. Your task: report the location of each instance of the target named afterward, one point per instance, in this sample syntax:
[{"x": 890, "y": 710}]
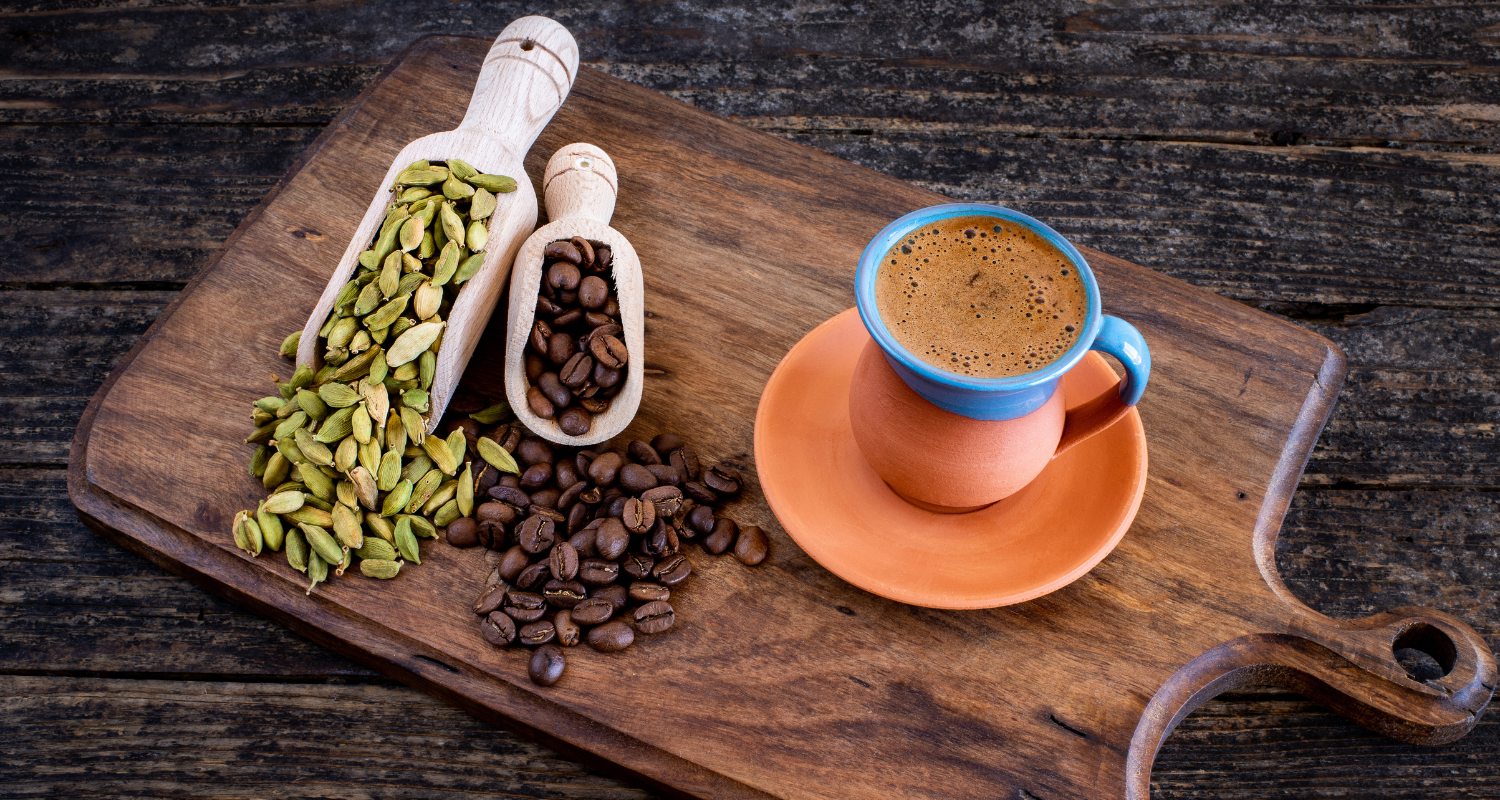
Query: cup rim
[{"x": 869, "y": 267}]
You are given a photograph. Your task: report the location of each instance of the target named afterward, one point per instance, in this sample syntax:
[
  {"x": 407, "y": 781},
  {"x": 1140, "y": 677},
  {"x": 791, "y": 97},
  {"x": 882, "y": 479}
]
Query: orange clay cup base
[{"x": 830, "y": 501}]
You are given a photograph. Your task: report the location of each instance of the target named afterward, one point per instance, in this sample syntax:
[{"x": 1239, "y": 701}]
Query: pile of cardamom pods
[{"x": 343, "y": 449}]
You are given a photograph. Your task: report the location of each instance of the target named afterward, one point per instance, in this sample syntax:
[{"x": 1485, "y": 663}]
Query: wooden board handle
[
  {"x": 580, "y": 181},
  {"x": 525, "y": 78},
  {"x": 1348, "y": 666}
]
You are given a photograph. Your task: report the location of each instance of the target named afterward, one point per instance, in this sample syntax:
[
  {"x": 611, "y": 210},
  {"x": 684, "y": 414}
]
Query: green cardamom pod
[
  {"x": 499, "y": 184},
  {"x": 376, "y": 550},
  {"x": 283, "y": 502},
  {"x": 315, "y": 501},
  {"x": 341, "y": 303},
  {"x": 416, "y": 400},
  {"x": 390, "y": 275},
  {"x": 379, "y": 568},
  {"x": 377, "y": 404},
  {"x": 277, "y": 468},
  {"x": 338, "y": 425},
  {"x": 416, "y": 430},
  {"x": 478, "y": 236},
  {"x": 406, "y": 542},
  {"x": 425, "y": 300},
  {"x": 496, "y": 456},
  {"x": 324, "y": 374},
  {"x": 290, "y": 407},
  {"x": 288, "y": 449},
  {"x": 378, "y": 371},
  {"x": 241, "y": 530},
  {"x": 386, "y": 314},
  {"x": 396, "y": 499},
  {"x": 465, "y": 494},
  {"x": 290, "y": 343},
  {"x": 469, "y": 269},
  {"x": 426, "y": 371},
  {"x": 423, "y": 490},
  {"x": 400, "y": 326},
  {"x": 411, "y": 234},
  {"x": 346, "y": 526},
  {"x": 355, "y": 367},
  {"x": 271, "y": 404},
  {"x": 361, "y": 424},
  {"x": 420, "y": 177},
  {"x": 453, "y": 226},
  {"x": 414, "y": 194},
  {"x": 307, "y": 515},
  {"x": 264, "y": 434},
  {"x": 335, "y": 357},
  {"x": 410, "y": 344},
  {"x": 446, "y": 515},
  {"x": 369, "y": 260},
  {"x": 409, "y": 264},
  {"x": 346, "y": 493},
  {"x": 482, "y": 205},
  {"x": 259, "y": 461},
  {"x": 361, "y": 342},
  {"x": 271, "y": 530},
  {"x": 312, "y": 404},
  {"x": 316, "y": 481},
  {"x": 445, "y": 492},
  {"x": 458, "y": 445},
  {"x": 259, "y": 418},
  {"x": 406, "y": 372},
  {"x": 369, "y": 455},
  {"x": 369, "y": 299},
  {"x": 296, "y": 549},
  {"x": 395, "y": 432},
  {"x": 364, "y": 487},
  {"x": 316, "y": 452},
  {"x": 347, "y": 454},
  {"x": 437, "y": 449},
  {"x": 389, "y": 473},
  {"x": 446, "y": 265},
  {"x": 455, "y": 189},
  {"x": 322, "y": 543},
  {"x": 495, "y": 414},
  {"x": 421, "y": 528},
  {"x": 290, "y": 424},
  {"x": 380, "y": 526},
  {"x": 339, "y": 395},
  {"x": 317, "y": 571},
  {"x": 343, "y": 332},
  {"x": 418, "y": 467},
  {"x": 461, "y": 169},
  {"x": 410, "y": 282}
]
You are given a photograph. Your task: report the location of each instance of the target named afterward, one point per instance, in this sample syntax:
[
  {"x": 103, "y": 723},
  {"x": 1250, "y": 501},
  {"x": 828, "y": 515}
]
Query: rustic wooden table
[{"x": 1335, "y": 165}]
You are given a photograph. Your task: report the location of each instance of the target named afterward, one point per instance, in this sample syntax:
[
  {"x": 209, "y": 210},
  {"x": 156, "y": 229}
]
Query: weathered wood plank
[{"x": 81, "y": 737}]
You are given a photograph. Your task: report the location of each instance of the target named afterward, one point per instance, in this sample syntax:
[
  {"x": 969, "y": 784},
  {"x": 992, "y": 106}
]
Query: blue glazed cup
[{"x": 989, "y": 436}]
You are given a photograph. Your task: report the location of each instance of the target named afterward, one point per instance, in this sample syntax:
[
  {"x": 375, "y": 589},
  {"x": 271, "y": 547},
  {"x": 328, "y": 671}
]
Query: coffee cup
[{"x": 977, "y": 429}]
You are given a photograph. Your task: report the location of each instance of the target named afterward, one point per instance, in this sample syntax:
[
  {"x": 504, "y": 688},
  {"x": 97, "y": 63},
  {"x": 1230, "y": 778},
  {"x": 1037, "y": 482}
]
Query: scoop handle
[
  {"x": 523, "y": 82},
  {"x": 580, "y": 181}
]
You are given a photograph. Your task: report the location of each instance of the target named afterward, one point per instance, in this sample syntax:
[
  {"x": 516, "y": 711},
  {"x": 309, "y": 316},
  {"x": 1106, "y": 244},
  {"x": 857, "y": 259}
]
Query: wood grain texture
[{"x": 1127, "y": 588}]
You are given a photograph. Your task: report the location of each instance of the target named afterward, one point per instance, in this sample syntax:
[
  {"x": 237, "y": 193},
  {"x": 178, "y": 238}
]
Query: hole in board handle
[{"x": 528, "y": 44}]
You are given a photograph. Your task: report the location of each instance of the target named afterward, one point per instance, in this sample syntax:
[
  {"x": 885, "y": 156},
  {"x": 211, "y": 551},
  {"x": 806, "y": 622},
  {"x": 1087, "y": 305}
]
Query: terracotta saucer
[{"x": 840, "y": 512}]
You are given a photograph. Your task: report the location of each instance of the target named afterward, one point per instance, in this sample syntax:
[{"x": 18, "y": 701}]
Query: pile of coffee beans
[
  {"x": 575, "y": 359},
  {"x": 592, "y": 541}
]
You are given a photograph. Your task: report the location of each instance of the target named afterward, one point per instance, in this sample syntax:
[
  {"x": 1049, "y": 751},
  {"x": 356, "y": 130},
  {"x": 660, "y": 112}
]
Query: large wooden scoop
[
  {"x": 579, "y": 187},
  {"x": 525, "y": 78}
]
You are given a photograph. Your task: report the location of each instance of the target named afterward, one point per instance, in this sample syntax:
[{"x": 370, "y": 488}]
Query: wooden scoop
[
  {"x": 525, "y": 78},
  {"x": 579, "y": 187}
]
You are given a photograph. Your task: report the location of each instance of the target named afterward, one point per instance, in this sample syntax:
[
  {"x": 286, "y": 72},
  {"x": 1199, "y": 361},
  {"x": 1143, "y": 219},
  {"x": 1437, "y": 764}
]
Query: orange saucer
[{"x": 843, "y": 515}]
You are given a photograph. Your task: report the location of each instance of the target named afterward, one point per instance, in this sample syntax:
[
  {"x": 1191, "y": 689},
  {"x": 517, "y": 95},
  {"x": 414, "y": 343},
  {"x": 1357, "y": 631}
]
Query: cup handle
[{"x": 1121, "y": 340}]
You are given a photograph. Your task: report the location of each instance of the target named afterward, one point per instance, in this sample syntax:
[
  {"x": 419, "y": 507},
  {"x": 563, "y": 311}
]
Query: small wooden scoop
[
  {"x": 579, "y": 187},
  {"x": 525, "y": 78}
]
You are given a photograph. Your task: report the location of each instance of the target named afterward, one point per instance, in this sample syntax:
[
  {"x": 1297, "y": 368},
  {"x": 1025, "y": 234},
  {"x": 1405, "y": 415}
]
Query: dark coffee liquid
[{"x": 981, "y": 297}]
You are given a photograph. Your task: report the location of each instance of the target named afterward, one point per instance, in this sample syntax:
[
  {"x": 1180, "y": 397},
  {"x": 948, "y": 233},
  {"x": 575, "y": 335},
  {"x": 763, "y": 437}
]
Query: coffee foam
[{"x": 981, "y": 297}]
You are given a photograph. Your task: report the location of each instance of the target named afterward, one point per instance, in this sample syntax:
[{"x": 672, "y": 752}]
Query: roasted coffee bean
[
  {"x": 665, "y": 443},
  {"x": 569, "y": 498},
  {"x": 547, "y": 663},
  {"x": 537, "y": 401},
  {"x": 512, "y": 562},
  {"x": 577, "y": 371},
  {"x": 597, "y": 571},
  {"x": 593, "y": 611},
  {"x": 564, "y": 594},
  {"x": 488, "y": 476},
  {"x": 563, "y": 561},
  {"x": 524, "y": 606},
  {"x": 564, "y": 251},
  {"x": 500, "y": 512},
  {"x": 700, "y": 493},
  {"x": 595, "y": 319},
  {"x": 583, "y": 543},
  {"x": 556, "y": 393},
  {"x": 534, "y": 450},
  {"x": 535, "y": 366},
  {"x": 541, "y": 334},
  {"x": 568, "y": 632},
  {"x": 560, "y": 348},
  {"x": 752, "y": 546},
  {"x": 563, "y": 275},
  {"x": 509, "y": 481},
  {"x": 611, "y": 538},
  {"x": 536, "y": 476},
  {"x": 611, "y": 329},
  {"x": 593, "y": 405},
  {"x": 593, "y": 293},
  {"x": 533, "y": 576},
  {"x": 586, "y": 248},
  {"x": 635, "y": 479},
  {"x": 606, "y": 350},
  {"x": 722, "y": 537},
  {"x": 566, "y": 473},
  {"x": 666, "y": 474},
  {"x": 611, "y": 637},
  {"x": 576, "y": 420},
  {"x": 723, "y": 479},
  {"x": 686, "y": 459},
  {"x": 614, "y": 505},
  {"x": 545, "y": 307},
  {"x": 463, "y": 532},
  {"x": 491, "y": 534},
  {"x": 512, "y": 496},
  {"x": 498, "y": 629},
  {"x": 605, "y": 469},
  {"x": 646, "y": 592},
  {"x": 652, "y": 618},
  {"x": 638, "y": 515},
  {"x": 536, "y": 633},
  {"x": 578, "y": 516},
  {"x": 666, "y": 499},
  {"x": 491, "y": 600},
  {"x": 702, "y": 519},
  {"x": 536, "y": 534},
  {"x": 614, "y": 593},
  {"x": 661, "y": 540},
  {"x": 547, "y": 498},
  {"x": 672, "y": 570},
  {"x": 605, "y": 377},
  {"x": 603, "y": 258},
  {"x": 642, "y": 453},
  {"x": 637, "y": 565},
  {"x": 569, "y": 317},
  {"x": 510, "y": 440}
]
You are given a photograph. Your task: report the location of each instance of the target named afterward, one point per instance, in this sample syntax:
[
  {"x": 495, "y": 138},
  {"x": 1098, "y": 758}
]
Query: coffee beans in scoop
[
  {"x": 593, "y": 541},
  {"x": 576, "y": 356}
]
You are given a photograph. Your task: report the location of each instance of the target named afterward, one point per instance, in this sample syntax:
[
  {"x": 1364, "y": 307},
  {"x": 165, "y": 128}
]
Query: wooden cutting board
[{"x": 780, "y": 680}]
